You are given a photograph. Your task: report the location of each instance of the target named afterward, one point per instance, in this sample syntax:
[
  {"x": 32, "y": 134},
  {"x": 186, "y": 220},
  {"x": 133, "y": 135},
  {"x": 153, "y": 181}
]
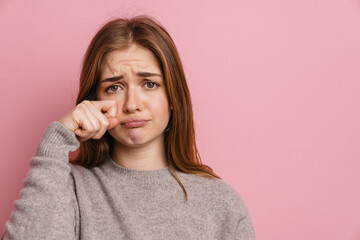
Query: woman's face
[{"x": 133, "y": 78}]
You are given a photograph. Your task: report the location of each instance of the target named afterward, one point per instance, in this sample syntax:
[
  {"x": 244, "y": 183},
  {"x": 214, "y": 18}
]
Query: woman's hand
[{"x": 91, "y": 119}]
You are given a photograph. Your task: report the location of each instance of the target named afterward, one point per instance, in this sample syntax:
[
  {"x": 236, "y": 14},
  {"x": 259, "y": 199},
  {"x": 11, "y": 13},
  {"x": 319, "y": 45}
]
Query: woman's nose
[{"x": 132, "y": 101}]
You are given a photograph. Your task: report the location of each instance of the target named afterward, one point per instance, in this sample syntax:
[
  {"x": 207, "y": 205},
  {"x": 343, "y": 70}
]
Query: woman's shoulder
[
  {"x": 210, "y": 184},
  {"x": 216, "y": 191}
]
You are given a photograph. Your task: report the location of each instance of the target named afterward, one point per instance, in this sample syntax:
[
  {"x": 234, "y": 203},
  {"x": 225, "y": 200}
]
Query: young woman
[{"x": 138, "y": 174}]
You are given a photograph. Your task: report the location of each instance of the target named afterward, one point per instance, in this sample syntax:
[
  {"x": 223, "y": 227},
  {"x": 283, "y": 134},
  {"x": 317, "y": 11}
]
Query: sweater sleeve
[
  {"x": 244, "y": 229},
  {"x": 45, "y": 208}
]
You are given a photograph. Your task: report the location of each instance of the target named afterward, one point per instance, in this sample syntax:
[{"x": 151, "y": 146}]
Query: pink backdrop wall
[{"x": 275, "y": 87}]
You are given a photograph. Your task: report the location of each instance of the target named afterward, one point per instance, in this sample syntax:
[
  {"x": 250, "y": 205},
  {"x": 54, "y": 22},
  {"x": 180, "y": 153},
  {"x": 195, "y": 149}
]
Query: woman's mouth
[{"x": 134, "y": 122}]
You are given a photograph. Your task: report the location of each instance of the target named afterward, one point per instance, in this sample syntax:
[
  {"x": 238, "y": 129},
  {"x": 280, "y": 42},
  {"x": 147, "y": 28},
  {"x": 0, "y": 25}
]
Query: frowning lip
[{"x": 134, "y": 122}]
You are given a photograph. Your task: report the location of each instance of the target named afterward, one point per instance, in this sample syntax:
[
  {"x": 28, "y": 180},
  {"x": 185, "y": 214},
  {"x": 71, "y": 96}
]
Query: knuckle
[
  {"x": 85, "y": 103},
  {"x": 91, "y": 128},
  {"x": 77, "y": 110},
  {"x": 98, "y": 135},
  {"x": 81, "y": 106},
  {"x": 97, "y": 126}
]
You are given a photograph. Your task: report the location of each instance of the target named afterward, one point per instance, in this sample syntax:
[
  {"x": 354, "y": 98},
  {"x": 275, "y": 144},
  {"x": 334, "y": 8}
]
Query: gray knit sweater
[{"x": 60, "y": 200}]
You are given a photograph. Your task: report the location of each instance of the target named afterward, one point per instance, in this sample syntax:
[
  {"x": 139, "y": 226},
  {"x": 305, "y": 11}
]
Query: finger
[
  {"x": 101, "y": 118},
  {"x": 85, "y": 126},
  {"x": 93, "y": 119},
  {"x": 113, "y": 122},
  {"x": 82, "y": 135},
  {"x": 109, "y": 109},
  {"x": 106, "y": 106},
  {"x": 106, "y": 121}
]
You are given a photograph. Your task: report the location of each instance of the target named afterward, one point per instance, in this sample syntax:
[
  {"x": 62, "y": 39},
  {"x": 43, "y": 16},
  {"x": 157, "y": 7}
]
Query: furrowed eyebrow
[
  {"x": 112, "y": 79},
  {"x": 148, "y": 74},
  {"x": 139, "y": 74}
]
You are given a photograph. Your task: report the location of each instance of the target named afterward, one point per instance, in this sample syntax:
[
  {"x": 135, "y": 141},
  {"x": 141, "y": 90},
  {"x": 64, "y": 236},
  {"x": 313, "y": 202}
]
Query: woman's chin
[{"x": 133, "y": 138}]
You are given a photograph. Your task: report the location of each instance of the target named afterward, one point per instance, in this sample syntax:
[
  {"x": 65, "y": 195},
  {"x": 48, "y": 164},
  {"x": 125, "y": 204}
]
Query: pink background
[{"x": 275, "y": 86}]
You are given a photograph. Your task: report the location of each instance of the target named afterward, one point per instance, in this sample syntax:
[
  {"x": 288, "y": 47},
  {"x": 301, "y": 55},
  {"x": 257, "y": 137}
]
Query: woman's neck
[{"x": 148, "y": 157}]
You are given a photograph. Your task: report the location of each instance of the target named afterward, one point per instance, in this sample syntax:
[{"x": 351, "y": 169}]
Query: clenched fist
[{"x": 91, "y": 119}]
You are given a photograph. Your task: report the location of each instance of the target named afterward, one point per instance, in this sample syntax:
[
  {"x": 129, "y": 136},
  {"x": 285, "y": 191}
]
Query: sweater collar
[{"x": 162, "y": 174}]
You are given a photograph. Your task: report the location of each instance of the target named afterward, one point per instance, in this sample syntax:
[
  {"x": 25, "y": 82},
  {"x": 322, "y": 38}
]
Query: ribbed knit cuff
[{"x": 57, "y": 141}]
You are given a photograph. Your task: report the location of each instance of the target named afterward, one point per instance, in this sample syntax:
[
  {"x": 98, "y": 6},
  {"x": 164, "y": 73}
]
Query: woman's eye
[
  {"x": 113, "y": 88},
  {"x": 150, "y": 85}
]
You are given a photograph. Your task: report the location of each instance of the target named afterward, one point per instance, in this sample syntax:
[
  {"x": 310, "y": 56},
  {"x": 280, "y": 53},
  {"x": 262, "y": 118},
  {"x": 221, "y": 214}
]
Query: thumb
[{"x": 113, "y": 121}]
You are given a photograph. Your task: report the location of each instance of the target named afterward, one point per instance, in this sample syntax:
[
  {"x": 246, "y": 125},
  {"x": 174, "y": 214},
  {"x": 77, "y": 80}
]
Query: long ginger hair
[{"x": 179, "y": 136}]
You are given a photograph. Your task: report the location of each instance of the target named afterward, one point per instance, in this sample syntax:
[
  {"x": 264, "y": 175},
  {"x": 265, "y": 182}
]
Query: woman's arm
[
  {"x": 45, "y": 209},
  {"x": 47, "y": 206},
  {"x": 244, "y": 229}
]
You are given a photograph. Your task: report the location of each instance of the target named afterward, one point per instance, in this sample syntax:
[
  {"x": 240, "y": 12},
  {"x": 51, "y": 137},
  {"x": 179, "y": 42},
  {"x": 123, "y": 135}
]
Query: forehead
[{"x": 132, "y": 58}]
